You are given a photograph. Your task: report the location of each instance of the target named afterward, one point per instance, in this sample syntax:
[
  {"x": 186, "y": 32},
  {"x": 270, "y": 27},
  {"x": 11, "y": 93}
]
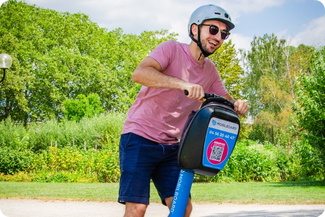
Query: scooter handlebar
[
  {"x": 206, "y": 95},
  {"x": 211, "y": 95}
]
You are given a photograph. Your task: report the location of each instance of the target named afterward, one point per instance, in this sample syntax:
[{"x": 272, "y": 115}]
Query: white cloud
[
  {"x": 240, "y": 7},
  {"x": 246, "y": 6},
  {"x": 148, "y": 15},
  {"x": 241, "y": 41},
  {"x": 313, "y": 34},
  {"x": 135, "y": 15}
]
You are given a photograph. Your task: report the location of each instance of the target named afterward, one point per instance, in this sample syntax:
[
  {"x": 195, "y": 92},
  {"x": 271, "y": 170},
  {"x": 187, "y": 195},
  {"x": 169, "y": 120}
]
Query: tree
[
  {"x": 227, "y": 63},
  {"x": 52, "y": 60},
  {"x": 131, "y": 50},
  {"x": 82, "y": 106},
  {"x": 311, "y": 107},
  {"x": 58, "y": 56},
  {"x": 267, "y": 88},
  {"x": 265, "y": 61}
]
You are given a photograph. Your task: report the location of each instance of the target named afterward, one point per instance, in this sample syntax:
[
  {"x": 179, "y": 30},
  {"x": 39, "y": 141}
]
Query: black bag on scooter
[{"x": 209, "y": 136}]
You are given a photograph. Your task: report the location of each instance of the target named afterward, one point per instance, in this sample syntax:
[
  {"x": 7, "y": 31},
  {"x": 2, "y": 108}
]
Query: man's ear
[{"x": 194, "y": 29}]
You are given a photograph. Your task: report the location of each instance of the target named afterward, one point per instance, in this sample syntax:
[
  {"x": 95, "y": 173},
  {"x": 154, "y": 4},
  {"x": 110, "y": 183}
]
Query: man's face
[{"x": 210, "y": 42}]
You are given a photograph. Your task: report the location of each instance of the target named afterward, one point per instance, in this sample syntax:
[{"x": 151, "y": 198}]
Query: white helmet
[{"x": 209, "y": 12}]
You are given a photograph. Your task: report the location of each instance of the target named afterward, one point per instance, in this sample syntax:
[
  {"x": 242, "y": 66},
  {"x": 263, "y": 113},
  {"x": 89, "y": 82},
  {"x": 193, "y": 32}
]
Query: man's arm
[
  {"x": 240, "y": 106},
  {"x": 149, "y": 73}
]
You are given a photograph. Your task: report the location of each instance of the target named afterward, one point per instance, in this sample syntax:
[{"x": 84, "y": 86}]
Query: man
[{"x": 150, "y": 137}]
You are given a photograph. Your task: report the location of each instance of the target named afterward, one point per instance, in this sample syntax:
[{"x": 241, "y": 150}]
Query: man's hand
[
  {"x": 194, "y": 91},
  {"x": 241, "y": 107}
]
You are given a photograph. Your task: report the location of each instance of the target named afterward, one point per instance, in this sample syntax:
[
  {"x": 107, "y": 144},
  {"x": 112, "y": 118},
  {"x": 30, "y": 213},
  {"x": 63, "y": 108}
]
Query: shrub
[
  {"x": 252, "y": 161},
  {"x": 87, "y": 151},
  {"x": 99, "y": 165},
  {"x": 13, "y": 135},
  {"x": 95, "y": 132},
  {"x": 82, "y": 106},
  {"x": 310, "y": 161},
  {"x": 15, "y": 160}
]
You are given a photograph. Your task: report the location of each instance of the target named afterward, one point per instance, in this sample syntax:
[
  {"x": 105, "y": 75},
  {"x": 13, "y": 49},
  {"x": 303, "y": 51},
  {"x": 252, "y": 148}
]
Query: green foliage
[
  {"x": 13, "y": 135},
  {"x": 227, "y": 63},
  {"x": 82, "y": 106},
  {"x": 58, "y": 56},
  {"x": 311, "y": 107},
  {"x": 310, "y": 160},
  {"x": 14, "y": 160},
  {"x": 87, "y": 151},
  {"x": 88, "y": 133},
  {"x": 57, "y": 177},
  {"x": 76, "y": 165},
  {"x": 66, "y": 66},
  {"x": 252, "y": 161},
  {"x": 272, "y": 74},
  {"x": 266, "y": 86},
  {"x": 265, "y": 68}
]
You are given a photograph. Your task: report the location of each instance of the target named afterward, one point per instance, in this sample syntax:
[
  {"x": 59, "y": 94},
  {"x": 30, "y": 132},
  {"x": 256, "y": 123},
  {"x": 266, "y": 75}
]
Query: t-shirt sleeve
[{"x": 163, "y": 53}]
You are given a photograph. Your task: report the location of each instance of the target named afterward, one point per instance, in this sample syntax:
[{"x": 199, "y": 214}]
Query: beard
[{"x": 209, "y": 48}]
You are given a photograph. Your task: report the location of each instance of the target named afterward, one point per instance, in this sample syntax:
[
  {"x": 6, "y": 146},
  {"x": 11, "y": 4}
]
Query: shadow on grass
[
  {"x": 298, "y": 184},
  {"x": 283, "y": 213}
]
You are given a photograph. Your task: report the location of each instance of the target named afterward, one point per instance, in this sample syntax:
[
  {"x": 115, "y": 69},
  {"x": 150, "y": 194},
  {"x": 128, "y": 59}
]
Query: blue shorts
[{"x": 142, "y": 160}]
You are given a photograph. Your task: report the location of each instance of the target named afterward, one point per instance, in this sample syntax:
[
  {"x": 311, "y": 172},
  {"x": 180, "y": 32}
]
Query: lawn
[{"x": 302, "y": 192}]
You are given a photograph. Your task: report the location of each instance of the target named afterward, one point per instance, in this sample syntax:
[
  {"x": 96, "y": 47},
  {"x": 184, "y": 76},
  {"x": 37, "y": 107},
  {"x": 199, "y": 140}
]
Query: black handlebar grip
[
  {"x": 219, "y": 98},
  {"x": 206, "y": 95}
]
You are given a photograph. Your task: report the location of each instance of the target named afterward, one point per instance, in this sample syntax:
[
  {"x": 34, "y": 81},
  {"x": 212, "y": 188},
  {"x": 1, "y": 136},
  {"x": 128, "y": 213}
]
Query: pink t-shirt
[{"x": 159, "y": 114}]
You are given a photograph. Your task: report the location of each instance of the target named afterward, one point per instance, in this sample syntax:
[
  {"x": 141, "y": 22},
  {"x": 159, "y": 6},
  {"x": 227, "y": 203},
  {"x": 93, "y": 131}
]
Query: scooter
[{"x": 208, "y": 140}]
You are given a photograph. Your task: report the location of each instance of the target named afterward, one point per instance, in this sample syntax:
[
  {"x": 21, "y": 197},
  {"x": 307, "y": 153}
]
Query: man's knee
[{"x": 135, "y": 209}]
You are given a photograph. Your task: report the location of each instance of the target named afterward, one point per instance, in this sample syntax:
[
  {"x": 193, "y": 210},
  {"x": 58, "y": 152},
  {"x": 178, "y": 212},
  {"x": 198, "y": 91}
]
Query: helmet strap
[{"x": 199, "y": 44}]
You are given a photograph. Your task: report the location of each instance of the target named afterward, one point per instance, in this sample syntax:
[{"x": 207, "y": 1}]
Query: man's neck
[{"x": 196, "y": 52}]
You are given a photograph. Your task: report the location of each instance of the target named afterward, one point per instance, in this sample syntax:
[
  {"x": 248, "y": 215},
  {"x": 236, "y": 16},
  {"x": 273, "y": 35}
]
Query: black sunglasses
[{"x": 215, "y": 29}]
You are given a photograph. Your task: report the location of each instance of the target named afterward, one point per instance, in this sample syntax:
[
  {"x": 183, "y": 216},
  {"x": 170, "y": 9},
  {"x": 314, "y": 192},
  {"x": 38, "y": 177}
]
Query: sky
[{"x": 297, "y": 21}]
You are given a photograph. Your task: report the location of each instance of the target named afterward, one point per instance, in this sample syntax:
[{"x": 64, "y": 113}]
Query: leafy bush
[
  {"x": 15, "y": 160},
  {"x": 251, "y": 161},
  {"x": 62, "y": 177},
  {"x": 94, "y": 132},
  {"x": 13, "y": 135},
  {"x": 82, "y": 106},
  {"x": 83, "y": 151},
  {"x": 87, "y": 151},
  {"x": 72, "y": 164},
  {"x": 310, "y": 161},
  {"x": 310, "y": 107}
]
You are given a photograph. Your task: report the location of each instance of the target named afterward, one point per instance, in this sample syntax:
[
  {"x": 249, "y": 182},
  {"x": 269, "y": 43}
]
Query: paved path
[{"x": 39, "y": 208}]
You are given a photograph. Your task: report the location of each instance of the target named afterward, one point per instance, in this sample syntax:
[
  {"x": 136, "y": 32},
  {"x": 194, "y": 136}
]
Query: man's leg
[
  {"x": 166, "y": 176},
  {"x": 189, "y": 206},
  {"x": 138, "y": 159},
  {"x": 135, "y": 209}
]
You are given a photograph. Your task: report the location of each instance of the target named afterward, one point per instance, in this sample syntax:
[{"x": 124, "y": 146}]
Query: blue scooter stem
[{"x": 181, "y": 194}]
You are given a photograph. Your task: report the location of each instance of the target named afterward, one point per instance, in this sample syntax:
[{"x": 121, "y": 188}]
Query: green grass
[
  {"x": 252, "y": 192},
  {"x": 259, "y": 192}
]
